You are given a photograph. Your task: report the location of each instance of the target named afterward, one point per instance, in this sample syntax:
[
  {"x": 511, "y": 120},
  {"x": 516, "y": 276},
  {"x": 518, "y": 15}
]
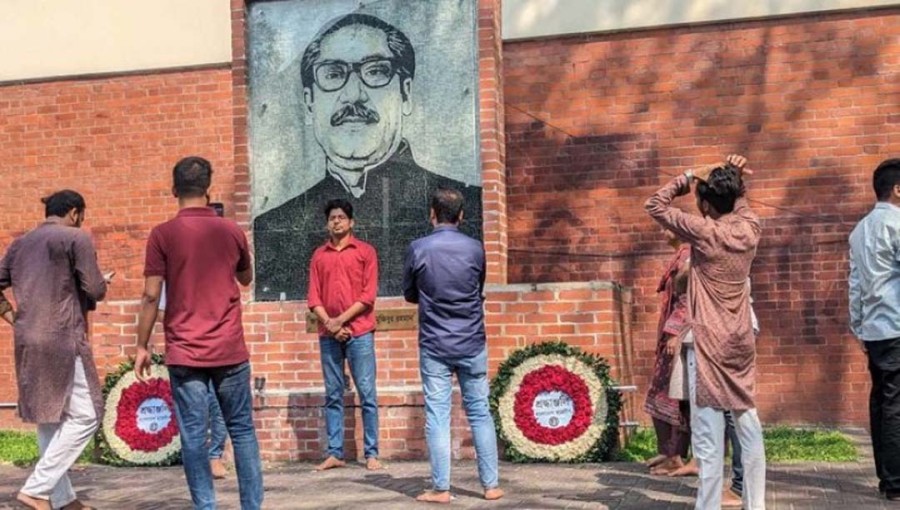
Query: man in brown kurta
[
  {"x": 55, "y": 279},
  {"x": 722, "y": 355}
]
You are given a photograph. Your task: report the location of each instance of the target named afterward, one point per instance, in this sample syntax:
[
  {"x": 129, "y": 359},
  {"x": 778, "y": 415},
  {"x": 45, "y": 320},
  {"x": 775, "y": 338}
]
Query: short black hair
[
  {"x": 192, "y": 177},
  {"x": 447, "y": 204},
  {"x": 401, "y": 49},
  {"x": 886, "y": 176},
  {"x": 722, "y": 189},
  {"x": 338, "y": 203},
  {"x": 61, "y": 202}
]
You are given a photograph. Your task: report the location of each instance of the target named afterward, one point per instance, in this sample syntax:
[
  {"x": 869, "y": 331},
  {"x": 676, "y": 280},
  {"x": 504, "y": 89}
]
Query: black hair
[
  {"x": 447, "y": 204},
  {"x": 338, "y": 203},
  {"x": 886, "y": 176},
  {"x": 722, "y": 189},
  {"x": 191, "y": 177},
  {"x": 61, "y": 202},
  {"x": 402, "y": 50}
]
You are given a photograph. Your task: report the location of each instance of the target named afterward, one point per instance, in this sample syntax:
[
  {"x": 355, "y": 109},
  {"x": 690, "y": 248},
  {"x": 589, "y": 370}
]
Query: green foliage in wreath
[
  {"x": 106, "y": 455},
  {"x": 604, "y": 448}
]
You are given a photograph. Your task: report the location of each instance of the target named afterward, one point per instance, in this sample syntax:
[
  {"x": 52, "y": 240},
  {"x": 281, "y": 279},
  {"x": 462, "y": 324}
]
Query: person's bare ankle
[
  {"x": 434, "y": 497},
  {"x": 331, "y": 462},
  {"x": 731, "y": 499},
  {"x": 218, "y": 468},
  {"x": 492, "y": 494},
  {"x": 373, "y": 464},
  {"x": 32, "y": 502}
]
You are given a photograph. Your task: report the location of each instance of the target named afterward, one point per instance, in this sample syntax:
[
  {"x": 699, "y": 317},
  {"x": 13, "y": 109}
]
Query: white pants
[
  {"x": 62, "y": 443},
  {"x": 708, "y": 442}
]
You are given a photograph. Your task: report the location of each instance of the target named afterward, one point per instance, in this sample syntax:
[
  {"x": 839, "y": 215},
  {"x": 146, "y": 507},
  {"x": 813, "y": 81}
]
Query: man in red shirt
[
  {"x": 343, "y": 283},
  {"x": 202, "y": 257}
]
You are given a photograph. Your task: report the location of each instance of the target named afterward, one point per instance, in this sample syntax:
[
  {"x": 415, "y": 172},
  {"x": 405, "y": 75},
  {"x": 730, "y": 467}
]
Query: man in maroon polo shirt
[
  {"x": 343, "y": 283},
  {"x": 202, "y": 257}
]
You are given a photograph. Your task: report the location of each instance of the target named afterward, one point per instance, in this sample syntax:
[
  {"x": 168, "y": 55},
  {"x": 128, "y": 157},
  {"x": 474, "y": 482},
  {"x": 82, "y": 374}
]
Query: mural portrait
[{"x": 373, "y": 102}]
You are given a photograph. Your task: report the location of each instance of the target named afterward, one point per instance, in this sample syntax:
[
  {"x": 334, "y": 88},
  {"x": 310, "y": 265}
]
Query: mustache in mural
[{"x": 355, "y": 112}]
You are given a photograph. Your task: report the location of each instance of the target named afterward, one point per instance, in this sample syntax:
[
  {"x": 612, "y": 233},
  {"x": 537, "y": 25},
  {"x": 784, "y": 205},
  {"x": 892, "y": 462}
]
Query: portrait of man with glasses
[{"x": 358, "y": 77}]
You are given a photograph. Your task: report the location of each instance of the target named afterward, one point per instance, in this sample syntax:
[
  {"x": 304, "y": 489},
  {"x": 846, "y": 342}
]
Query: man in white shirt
[{"x": 875, "y": 318}]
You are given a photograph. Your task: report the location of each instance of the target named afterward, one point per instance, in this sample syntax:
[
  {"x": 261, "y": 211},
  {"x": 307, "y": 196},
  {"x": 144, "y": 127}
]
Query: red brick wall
[
  {"x": 811, "y": 100},
  {"x": 596, "y": 123},
  {"x": 115, "y": 140}
]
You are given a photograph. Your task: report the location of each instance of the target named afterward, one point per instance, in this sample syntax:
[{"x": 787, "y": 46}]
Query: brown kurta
[
  {"x": 718, "y": 295},
  {"x": 55, "y": 279}
]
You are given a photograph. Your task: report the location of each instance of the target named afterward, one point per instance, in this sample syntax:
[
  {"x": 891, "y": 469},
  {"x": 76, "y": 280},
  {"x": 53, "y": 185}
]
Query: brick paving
[{"x": 618, "y": 486}]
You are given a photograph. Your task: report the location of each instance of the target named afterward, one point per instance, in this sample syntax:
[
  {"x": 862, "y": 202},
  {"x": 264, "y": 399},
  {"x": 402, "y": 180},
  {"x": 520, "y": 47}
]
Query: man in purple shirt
[{"x": 444, "y": 273}]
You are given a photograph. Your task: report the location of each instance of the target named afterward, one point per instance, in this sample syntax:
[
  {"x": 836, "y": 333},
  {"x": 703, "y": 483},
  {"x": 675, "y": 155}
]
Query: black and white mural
[{"x": 375, "y": 102}]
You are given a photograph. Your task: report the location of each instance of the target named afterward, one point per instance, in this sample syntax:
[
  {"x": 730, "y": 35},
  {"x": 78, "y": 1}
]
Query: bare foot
[
  {"x": 493, "y": 494},
  {"x": 373, "y": 464},
  {"x": 434, "y": 497},
  {"x": 218, "y": 468},
  {"x": 655, "y": 460},
  {"x": 689, "y": 469},
  {"x": 669, "y": 465},
  {"x": 33, "y": 503},
  {"x": 730, "y": 499},
  {"x": 77, "y": 505},
  {"x": 330, "y": 463}
]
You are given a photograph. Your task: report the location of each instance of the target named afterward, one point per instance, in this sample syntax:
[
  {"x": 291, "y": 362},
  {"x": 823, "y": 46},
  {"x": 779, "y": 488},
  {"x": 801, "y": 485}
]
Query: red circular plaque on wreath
[
  {"x": 139, "y": 425},
  {"x": 553, "y": 407}
]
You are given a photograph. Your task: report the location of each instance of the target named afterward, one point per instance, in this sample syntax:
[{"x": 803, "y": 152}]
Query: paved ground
[{"x": 620, "y": 486}]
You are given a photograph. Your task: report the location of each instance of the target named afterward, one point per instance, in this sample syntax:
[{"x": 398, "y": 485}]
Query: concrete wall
[{"x": 49, "y": 38}]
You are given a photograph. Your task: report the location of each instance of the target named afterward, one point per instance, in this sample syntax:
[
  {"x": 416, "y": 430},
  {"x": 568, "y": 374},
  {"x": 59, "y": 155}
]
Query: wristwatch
[{"x": 689, "y": 175}]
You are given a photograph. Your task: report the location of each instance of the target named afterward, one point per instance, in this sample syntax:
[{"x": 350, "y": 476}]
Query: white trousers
[
  {"x": 708, "y": 442},
  {"x": 62, "y": 443}
]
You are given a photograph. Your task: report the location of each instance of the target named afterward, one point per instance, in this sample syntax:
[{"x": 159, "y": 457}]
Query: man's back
[
  {"x": 55, "y": 278},
  {"x": 198, "y": 255},
  {"x": 875, "y": 274},
  {"x": 445, "y": 274}
]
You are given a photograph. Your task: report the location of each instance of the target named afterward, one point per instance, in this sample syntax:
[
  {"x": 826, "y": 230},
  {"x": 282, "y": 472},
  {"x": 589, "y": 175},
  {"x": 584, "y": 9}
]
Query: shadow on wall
[{"x": 807, "y": 99}]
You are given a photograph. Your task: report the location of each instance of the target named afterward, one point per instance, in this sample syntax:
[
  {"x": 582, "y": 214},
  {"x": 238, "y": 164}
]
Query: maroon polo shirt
[
  {"x": 339, "y": 278},
  {"x": 197, "y": 254}
]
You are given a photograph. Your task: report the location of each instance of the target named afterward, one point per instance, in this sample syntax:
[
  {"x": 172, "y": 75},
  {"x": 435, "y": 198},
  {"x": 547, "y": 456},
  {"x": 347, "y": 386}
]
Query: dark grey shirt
[{"x": 444, "y": 273}]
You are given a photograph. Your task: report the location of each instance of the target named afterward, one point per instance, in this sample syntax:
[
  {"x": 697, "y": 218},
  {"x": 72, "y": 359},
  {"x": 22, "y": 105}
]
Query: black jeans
[
  {"x": 884, "y": 412},
  {"x": 737, "y": 466}
]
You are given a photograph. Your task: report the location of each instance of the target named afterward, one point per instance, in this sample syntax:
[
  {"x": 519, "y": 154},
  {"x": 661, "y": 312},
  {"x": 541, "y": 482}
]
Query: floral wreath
[
  {"x": 139, "y": 427},
  {"x": 555, "y": 403}
]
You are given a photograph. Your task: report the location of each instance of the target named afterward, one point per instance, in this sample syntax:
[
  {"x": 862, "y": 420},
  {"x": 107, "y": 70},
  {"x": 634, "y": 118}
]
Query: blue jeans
[
  {"x": 217, "y": 431},
  {"x": 231, "y": 384},
  {"x": 437, "y": 385},
  {"x": 360, "y": 352}
]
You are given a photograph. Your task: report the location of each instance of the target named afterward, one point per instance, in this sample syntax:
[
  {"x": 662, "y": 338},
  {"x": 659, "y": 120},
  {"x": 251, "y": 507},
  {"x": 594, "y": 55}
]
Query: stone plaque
[{"x": 386, "y": 320}]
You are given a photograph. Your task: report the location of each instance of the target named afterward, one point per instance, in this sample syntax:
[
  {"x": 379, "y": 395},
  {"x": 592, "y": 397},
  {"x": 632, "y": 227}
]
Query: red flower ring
[
  {"x": 127, "y": 416},
  {"x": 552, "y": 378}
]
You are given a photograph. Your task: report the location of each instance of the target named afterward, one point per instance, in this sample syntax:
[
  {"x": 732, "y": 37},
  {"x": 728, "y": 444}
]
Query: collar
[
  {"x": 358, "y": 188},
  {"x": 53, "y": 220},
  {"x": 350, "y": 243},
  {"x": 887, "y": 206},
  {"x": 445, "y": 227},
  {"x": 196, "y": 211}
]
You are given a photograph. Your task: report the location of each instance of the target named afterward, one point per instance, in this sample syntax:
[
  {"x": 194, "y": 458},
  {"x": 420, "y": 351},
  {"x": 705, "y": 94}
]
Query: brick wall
[
  {"x": 596, "y": 123},
  {"x": 115, "y": 140},
  {"x": 593, "y": 316},
  {"x": 591, "y": 125}
]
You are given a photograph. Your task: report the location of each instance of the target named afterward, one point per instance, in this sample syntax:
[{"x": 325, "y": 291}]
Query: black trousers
[{"x": 884, "y": 411}]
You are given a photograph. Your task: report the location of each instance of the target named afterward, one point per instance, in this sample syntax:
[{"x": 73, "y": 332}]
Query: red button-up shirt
[{"x": 339, "y": 278}]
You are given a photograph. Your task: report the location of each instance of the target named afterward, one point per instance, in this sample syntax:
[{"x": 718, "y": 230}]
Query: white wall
[
  {"x": 538, "y": 18},
  {"x": 48, "y": 38},
  {"x": 51, "y": 38}
]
